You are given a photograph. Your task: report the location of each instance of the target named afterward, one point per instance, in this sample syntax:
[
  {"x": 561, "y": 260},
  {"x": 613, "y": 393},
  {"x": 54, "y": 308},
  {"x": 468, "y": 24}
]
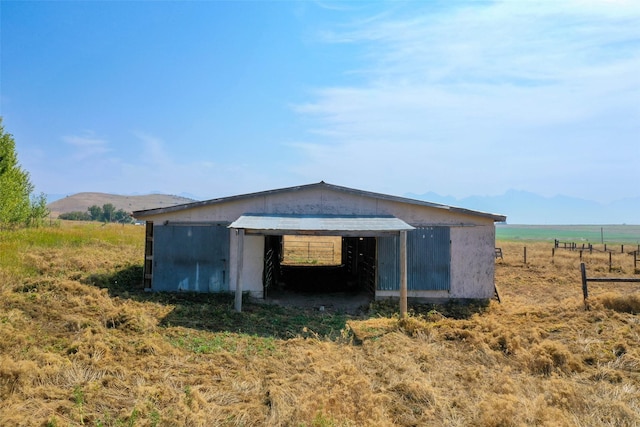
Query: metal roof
[
  {"x": 322, "y": 185},
  {"x": 320, "y": 223}
]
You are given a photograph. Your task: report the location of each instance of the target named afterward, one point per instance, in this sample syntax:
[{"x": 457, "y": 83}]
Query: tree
[
  {"x": 108, "y": 211},
  {"x": 95, "y": 212},
  {"x": 39, "y": 210},
  {"x": 16, "y": 204},
  {"x": 122, "y": 216},
  {"x": 75, "y": 216}
]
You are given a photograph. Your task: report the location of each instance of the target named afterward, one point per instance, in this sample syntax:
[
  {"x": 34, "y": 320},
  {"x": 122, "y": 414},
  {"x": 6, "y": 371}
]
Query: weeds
[{"x": 78, "y": 400}]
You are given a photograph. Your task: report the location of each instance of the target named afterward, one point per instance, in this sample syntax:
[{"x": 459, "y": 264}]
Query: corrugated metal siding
[
  {"x": 388, "y": 263},
  {"x": 191, "y": 258},
  {"x": 428, "y": 260}
]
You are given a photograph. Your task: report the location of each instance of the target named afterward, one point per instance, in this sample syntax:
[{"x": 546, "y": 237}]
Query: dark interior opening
[{"x": 354, "y": 275}]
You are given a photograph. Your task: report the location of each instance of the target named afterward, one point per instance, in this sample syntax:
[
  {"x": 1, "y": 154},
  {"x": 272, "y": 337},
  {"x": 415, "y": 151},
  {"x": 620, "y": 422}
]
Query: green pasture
[{"x": 594, "y": 234}]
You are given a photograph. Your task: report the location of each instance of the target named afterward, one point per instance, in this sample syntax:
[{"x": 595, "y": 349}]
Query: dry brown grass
[{"x": 74, "y": 353}]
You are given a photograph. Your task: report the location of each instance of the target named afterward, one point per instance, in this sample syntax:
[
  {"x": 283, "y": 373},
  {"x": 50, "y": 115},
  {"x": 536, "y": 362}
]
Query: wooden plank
[{"x": 585, "y": 290}]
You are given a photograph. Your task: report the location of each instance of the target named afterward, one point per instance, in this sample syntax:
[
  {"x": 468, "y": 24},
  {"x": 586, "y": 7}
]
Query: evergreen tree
[{"x": 16, "y": 205}]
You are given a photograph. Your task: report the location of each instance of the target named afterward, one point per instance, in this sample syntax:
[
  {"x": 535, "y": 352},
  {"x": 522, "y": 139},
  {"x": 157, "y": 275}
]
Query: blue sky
[{"x": 217, "y": 98}]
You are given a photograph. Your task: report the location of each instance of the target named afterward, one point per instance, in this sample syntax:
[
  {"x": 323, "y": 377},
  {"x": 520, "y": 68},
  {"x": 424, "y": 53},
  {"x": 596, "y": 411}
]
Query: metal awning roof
[{"x": 361, "y": 225}]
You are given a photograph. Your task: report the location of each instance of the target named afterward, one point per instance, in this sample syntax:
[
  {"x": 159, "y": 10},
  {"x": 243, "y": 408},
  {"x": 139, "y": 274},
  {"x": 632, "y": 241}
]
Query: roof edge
[{"x": 141, "y": 214}]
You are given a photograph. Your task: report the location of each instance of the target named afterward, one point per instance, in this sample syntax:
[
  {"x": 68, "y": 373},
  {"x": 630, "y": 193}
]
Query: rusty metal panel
[{"x": 429, "y": 259}]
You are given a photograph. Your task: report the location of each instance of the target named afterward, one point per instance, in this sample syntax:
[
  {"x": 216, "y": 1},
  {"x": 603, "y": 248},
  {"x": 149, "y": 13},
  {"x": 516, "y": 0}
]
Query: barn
[{"x": 382, "y": 245}]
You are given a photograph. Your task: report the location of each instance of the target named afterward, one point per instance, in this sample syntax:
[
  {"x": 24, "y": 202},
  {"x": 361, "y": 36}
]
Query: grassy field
[
  {"x": 594, "y": 234},
  {"x": 82, "y": 345}
]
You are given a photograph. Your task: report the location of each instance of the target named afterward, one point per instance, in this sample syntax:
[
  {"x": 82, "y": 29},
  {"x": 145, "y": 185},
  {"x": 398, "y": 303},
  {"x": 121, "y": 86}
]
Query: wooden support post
[
  {"x": 610, "y": 261},
  {"x": 553, "y": 252},
  {"x": 403, "y": 274},
  {"x": 581, "y": 255},
  {"x": 525, "y": 254},
  {"x": 239, "y": 262},
  {"x": 585, "y": 290}
]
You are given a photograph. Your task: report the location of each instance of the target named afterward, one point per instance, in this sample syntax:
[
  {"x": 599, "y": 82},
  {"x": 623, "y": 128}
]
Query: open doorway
[{"x": 322, "y": 271}]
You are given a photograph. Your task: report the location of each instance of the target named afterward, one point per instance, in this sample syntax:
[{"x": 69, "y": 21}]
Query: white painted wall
[
  {"x": 472, "y": 262},
  {"x": 252, "y": 264}
]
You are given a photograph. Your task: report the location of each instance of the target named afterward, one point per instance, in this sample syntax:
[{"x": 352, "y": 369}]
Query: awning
[{"x": 355, "y": 225}]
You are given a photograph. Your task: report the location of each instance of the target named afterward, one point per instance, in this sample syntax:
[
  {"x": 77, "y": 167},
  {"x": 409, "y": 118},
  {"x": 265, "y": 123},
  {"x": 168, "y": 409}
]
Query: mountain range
[{"x": 523, "y": 207}]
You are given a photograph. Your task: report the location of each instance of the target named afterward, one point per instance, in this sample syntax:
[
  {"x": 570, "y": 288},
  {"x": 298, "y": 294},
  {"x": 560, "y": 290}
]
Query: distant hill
[{"x": 82, "y": 201}]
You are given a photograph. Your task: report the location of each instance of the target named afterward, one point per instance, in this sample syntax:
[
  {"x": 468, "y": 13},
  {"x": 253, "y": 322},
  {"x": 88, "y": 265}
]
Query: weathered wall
[
  {"x": 472, "y": 236},
  {"x": 252, "y": 264},
  {"x": 320, "y": 201},
  {"x": 472, "y": 261},
  {"x": 190, "y": 258},
  {"x": 471, "y": 269}
]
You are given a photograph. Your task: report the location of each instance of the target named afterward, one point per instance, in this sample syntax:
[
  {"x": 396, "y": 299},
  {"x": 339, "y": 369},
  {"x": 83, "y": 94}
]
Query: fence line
[
  {"x": 585, "y": 280},
  {"x": 573, "y": 246},
  {"x": 308, "y": 252}
]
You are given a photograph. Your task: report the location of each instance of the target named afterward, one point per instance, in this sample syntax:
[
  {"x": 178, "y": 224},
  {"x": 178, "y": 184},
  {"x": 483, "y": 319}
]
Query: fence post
[
  {"x": 525, "y": 254},
  {"x": 580, "y": 255},
  {"x": 610, "y": 262},
  {"x": 585, "y": 290},
  {"x": 553, "y": 252},
  {"x": 621, "y": 249}
]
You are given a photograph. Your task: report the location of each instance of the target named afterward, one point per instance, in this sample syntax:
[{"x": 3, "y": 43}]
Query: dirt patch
[{"x": 333, "y": 302}]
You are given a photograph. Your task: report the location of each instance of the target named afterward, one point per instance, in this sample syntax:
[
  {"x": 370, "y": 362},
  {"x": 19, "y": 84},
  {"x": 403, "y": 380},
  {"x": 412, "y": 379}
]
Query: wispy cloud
[
  {"x": 87, "y": 145},
  {"x": 474, "y": 85}
]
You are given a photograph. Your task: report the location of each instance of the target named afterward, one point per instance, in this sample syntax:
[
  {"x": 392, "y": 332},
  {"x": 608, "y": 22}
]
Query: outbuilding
[{"x": 388, "y": 246}]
